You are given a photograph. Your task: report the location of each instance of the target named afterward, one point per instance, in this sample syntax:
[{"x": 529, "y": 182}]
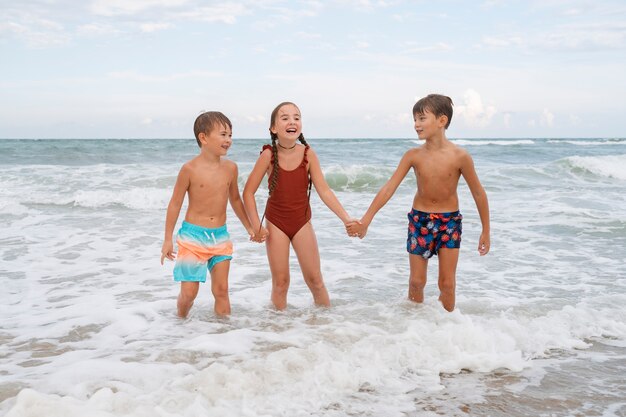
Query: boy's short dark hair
[
  {"x": 208, "y": 121},
  {"x": 436, "y": 104}
]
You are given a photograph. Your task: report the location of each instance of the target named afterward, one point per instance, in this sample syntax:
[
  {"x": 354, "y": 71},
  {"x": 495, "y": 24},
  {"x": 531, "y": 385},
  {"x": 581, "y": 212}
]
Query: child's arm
[
  {"x": 173, "y": 210},
  {"x": 480, "y": 198},
  {"x": 249, "y": 190},
  {"x": 237, "y": 204},
  {"x": 383, "y": 195},
  {"x": 324, "y": 191}
]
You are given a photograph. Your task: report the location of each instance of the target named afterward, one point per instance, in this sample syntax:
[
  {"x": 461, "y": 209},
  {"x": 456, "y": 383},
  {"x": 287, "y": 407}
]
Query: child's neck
[
  {"x": 286, "y": 146},
  {"x": 435, "y": 141},
  {"x": 209, "y": 157}
]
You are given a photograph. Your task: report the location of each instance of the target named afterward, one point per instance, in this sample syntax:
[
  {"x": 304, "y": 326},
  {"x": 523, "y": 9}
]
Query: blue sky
[{"x": 147, "y": 68}]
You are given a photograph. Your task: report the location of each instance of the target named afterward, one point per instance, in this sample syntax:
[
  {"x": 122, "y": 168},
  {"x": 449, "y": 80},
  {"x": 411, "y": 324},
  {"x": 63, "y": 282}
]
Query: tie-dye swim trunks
[
  {"x": 429, "y": 232},
  {"x": 200, "y": 248}
]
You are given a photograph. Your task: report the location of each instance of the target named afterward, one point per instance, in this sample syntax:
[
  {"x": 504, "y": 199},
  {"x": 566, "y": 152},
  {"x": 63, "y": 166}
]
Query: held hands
[
  {"x": 355, "y": 228},
  {"x": 260, "y": 236},
  {"x": 484, "y": 243},
  {"x": 167, "y": 251}
]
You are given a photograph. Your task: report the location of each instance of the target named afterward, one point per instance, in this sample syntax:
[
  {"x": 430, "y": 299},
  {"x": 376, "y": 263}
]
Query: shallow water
[{"x": 88, "y": 322}]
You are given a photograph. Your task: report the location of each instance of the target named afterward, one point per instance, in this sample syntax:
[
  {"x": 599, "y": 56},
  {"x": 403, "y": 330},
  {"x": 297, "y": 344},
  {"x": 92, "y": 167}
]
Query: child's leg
[
  {"x": 188, "y": 293},
  {"x": 417, "y": 278},
  {"x": 448, "y": 259},
  {"x": 219, "y": 287},
  {"x": 305, "y": 245},
  {"x": 277, "y": 246}
]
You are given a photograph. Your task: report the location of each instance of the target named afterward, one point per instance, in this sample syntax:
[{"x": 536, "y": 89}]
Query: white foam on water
[
  {"x": 612, "y": 166},
  {"x": 138, "y": 198},
  {"x": 498, "y": 142},
  {"x": 596, "y": 142},
  {"x": 310, "y": 361},
  {"x": 88, "y": 313}
]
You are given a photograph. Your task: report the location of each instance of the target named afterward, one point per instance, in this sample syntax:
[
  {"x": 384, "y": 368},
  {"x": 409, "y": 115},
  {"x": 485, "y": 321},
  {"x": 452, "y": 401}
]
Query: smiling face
[
  {"x": 428, "y": 125},
  {"x": 286, "y": 123},
  {"x": 216, "y": 141}
]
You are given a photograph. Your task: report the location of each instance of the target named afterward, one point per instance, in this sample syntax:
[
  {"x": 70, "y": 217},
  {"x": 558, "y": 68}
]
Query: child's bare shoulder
[
  {"x": 414, "y": 154},
  {"x": 459, "y": 153},
  {"x": 187, "y": 168},
  {"x": 229, "y": 167},
  {"x": 266, "y": 154}
]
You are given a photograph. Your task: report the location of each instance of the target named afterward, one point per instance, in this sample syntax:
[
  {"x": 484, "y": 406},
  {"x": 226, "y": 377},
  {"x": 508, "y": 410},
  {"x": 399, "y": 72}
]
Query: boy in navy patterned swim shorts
[{"x": 435, "y": 220}]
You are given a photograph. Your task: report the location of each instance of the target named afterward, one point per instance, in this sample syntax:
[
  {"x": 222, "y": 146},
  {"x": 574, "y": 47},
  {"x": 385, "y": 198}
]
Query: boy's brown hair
[
  {"x": 436, "y": 104},
  {"x": 208, "y": 121}
]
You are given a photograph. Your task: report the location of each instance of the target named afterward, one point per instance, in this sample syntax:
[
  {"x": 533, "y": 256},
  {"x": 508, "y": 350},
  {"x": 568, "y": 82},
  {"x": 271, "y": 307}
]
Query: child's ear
[
  {"x": 202, "y": 137},
  {"x": 443, "y": 120}
]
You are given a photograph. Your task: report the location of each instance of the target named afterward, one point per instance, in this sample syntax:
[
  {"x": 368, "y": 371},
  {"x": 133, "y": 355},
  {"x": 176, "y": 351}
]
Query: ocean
[{"x": 87, "y": 313}]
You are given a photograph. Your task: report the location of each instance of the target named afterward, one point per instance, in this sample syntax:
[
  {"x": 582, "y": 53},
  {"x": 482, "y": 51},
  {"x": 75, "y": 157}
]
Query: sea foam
[{"x": 612, "y": 166}]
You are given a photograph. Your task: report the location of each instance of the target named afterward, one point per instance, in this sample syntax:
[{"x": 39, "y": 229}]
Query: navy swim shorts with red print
[{"x": 429, "y": 232}]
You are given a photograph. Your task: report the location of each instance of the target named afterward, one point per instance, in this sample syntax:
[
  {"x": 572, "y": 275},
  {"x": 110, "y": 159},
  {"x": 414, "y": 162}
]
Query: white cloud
[
  {"x": 124, "y": 7},
  {"x": 490, "y": 3},
  {"x": 146, "y": 121},
  {"x": 154, "y": 27},
  {"x": 37, "y": 33},
  {"x": 96, "y": 29},
  {"x": 138, "y": 77},
  {"x": 586, "y": 37},
  {"x": 547, "y": 118},
  {"x": 256, "y": 119},
  {"x": 473, "y": 112},
  {"x": 308, "y": 35},
  {"x": 507, "y": 120},
  {"x": 573, "y": 12},
  {"x": 413, "y": 48},
  {"x": 225, "y": 13},
  {"x": 502, "y": 42}
]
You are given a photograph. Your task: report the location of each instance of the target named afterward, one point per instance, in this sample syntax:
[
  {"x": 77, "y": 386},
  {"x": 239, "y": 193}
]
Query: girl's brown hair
[{"x": 273, "y": 180}]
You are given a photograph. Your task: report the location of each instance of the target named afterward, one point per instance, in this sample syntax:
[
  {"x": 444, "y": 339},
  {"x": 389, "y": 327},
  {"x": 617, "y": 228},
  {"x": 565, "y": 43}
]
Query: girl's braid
[
  {"x": 274, "y": 177},
  {"x": 303, "y": 141}
]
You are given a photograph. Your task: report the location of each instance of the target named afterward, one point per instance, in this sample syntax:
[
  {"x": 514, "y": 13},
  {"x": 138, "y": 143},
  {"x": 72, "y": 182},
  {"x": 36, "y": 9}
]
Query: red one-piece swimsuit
[{"x": 288, "y": 207}]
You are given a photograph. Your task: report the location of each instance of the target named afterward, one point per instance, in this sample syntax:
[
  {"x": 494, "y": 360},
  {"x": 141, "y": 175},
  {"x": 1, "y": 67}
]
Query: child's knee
[
  {"x": 417, "y": 283},
  {"x": 281, "y": 282},
  {"x": 447, "y": 284},
  {"x": 188, "y": 292},
  {"x": 315, "y": 281},
  {"x": 219, "y": 290}
]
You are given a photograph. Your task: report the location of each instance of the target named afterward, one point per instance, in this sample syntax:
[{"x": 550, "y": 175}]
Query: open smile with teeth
[{"x": 292, "y": 130}]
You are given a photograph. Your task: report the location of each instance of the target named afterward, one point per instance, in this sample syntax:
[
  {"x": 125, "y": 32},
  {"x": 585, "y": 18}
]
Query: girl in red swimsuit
[{"x": 291, "y": 168}]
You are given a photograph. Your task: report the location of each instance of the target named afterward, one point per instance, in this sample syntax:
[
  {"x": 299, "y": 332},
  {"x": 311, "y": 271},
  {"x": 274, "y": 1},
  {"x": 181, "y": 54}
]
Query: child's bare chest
[
  {"x": 209, "y": 183},
  {"x": 437, "y": 166}
]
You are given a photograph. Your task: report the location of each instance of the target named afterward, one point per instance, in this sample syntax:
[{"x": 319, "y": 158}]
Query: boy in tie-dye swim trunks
[
  {"x": 209, "y": 182},
  {"x": 434, "y": 221}
]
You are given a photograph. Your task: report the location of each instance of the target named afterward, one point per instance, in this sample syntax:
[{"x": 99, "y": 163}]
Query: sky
[{"x": 147, "y": 68}]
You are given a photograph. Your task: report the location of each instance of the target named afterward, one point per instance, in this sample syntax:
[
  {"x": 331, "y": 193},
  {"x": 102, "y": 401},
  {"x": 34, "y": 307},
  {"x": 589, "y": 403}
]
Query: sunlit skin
[
  {"x": 210, "y": 182},
  {"x": 438, "y": 164},
  {"x": 288, "y": 127}
]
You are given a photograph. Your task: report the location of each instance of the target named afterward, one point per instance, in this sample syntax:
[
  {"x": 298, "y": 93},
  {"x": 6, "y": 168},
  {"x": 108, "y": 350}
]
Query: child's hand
[
  {"x": 261, "y": 236},
  {"x": 484, "y": 243},
  {"x": 167, "y": 251},
  {"x": 356, "y": 229}
]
